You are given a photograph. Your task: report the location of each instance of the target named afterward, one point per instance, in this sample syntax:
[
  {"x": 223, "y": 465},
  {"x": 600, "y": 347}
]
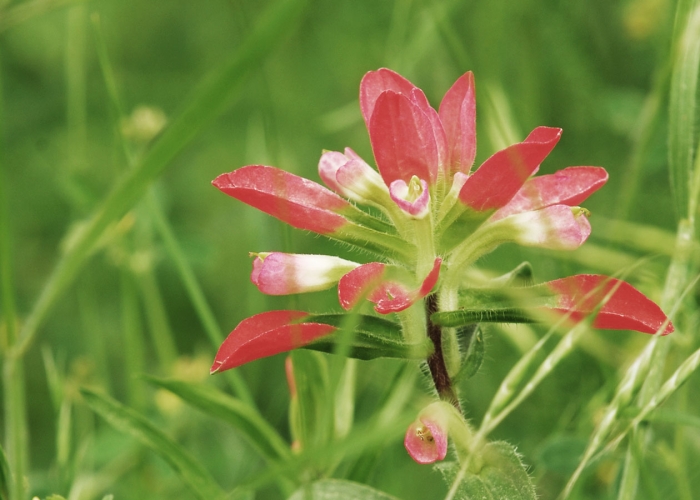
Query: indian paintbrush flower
[{"x": 433, "y": 217}]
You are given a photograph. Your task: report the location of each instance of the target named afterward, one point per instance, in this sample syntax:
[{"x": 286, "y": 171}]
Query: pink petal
[
  {"x": 389, "y": 295},
  {"x": 458, "y": 116},
  {"x": 402, "y": 139},
  {"x": 626, "y": 309},
  {"x": 359, "y": 283},
  {"x": 558, "y": 227},
  {"x": 376, "y": 82},
  {"x": 418, "y": 208},
  {"x": 418, "y": 98},
  {"x": 500, "y": 177},
  {"x": 279, "y": 273},
  {"x": 426, "y": 441},
  {"x": 297, "y": 201},
  {"x": 570, "y": 186},
  {"x": 266, "y": 334}
]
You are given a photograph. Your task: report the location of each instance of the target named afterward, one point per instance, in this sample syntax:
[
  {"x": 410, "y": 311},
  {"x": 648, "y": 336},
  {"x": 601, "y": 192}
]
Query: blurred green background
[{"x": 598, "y": 69}]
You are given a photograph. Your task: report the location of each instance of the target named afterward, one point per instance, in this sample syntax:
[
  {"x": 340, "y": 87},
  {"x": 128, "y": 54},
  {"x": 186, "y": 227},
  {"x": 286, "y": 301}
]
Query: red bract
[
  {"x": 425, "y": 205},
  {"x": 292, "y": 199},
  {"x": 266, "y": 334},
  {"x": 570, "y": 186},
  {"x": 620, "y": 306},
  {"x": 458, "y": 114},
  {"x": 389, "y": 295},
  {"x": 502, "y": 175}
]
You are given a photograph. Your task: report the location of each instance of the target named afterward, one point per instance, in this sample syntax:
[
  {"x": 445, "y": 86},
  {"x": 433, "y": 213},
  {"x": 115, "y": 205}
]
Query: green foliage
[
  {"x": 131, "y": 422},
  {"x": 497, "y": 472},
  {"x": 118, "y": 256},
  {"x": 331, "y": 489}
]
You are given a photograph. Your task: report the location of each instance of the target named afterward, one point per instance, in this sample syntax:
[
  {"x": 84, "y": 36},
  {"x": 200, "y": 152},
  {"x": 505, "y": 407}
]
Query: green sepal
[
  {"x": 459, "y": 224},
  {"x": 496, "y": 472},
  {"x": 521, "y": 276},
  {"x": 464, "y": 317},
  {"x": 363, "y": 218},
  {"x": 379, "y": 243},
  {"x": 373, "y": 338}
]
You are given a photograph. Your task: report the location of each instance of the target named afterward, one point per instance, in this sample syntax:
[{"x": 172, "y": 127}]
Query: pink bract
[
  {"x": 625, "y": 307},
  {"x": 266, "y": 334}
]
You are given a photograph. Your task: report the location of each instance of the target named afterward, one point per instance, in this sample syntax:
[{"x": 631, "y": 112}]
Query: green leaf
[
  {"x": 464, "y": 317},
  {"x": 373, "y": 338},
  {"x": 500, "y": 474},
  {"x": 682, "y": 134},
  {"x": 337, "y": 489},
  {"x": 135, "y": 424},
  {"x": 5, "y": 478},
  {"x": 241, "y": 416}
]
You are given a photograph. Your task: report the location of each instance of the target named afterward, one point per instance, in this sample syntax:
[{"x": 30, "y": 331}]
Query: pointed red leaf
[
  {"x": 402, "y": 139},
  {"x": 626, "y": 309},
  {"x": 458, "y": 116},
  {"x": 359, "y": 283},
  {"x": 267, "y": 334},
  {"x": 297, "y": 201},
  {"x": 389, "y": 295},
  {"x": 376, "y": 82},
  {"x": 502, "y": 175},
  {"x": 570, "y": 186}
]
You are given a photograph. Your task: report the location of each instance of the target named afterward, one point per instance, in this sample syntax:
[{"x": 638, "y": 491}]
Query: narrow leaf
[
  {"x": 135, "y": 424},
  {"x": 683, "y": 109},
  {"x": 232, "y": 411},
  {"x": 463, "y": 317}
]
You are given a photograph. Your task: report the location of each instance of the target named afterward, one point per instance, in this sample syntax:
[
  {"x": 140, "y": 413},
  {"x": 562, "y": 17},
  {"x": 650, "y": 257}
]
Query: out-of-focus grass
[{"x": 594, "y": 68}]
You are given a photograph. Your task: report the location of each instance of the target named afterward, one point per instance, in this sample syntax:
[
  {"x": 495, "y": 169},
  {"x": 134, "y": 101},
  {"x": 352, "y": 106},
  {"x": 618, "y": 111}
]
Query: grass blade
[
  {"x": 682, "y": 110},
  {"x": 241, "y": 416},
  {"x": 207, "y": 103},
  {"x": 133, "y": 423}
]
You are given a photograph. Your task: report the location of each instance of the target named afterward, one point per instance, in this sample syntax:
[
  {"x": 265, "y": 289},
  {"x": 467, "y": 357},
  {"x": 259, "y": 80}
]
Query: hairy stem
[{"x": 436, "y": 361}]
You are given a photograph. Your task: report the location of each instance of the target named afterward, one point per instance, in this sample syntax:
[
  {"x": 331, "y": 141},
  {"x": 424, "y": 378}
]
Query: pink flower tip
[
  {"x": 413, "y": 198},
  {"x": 426, "y": 441}
]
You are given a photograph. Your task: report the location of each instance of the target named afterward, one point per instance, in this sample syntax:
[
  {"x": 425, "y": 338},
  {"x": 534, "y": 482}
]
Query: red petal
[
  {"x": 388, "y": 295},
  {"x": 376, "y": 82},
  {"x": 501, "y": 176},
  {"x": 458, "y": 116},
  {"x": 402, "y": 139},
  {"x": 626, "y": 309},
  {"x": 395, "y": 297},
  {"x": 297, "y": 201},
  {"x": 359, "y": 283},
  {"x": 570, "y": 186},
  {"x": 266, "y": 334}
]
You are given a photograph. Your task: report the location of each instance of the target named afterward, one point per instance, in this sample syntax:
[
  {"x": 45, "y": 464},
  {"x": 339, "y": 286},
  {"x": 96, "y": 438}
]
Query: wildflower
[{"x": 435, "y": 216}]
